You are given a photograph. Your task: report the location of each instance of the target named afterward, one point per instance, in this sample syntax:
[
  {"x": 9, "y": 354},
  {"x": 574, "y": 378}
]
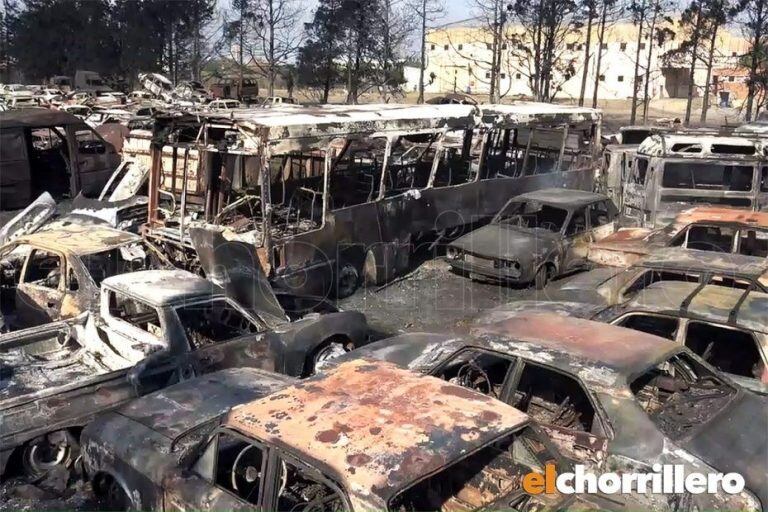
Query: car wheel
[
  {"x": 542, "y": 277},
  {"x": 347, "y": 281},
  {"x": 112, "y": 496},
  {"x": 328, "y": 353},
  {"x": 48, "y": 452}
]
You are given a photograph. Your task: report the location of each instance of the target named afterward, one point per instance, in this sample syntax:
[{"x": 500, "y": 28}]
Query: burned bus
[
  {"x": 334, "y": 196},
  {"x": 673, "y": 172}
]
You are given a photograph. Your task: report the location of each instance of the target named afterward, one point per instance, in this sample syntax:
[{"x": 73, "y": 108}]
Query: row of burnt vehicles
[{"x": 320, "y": 201}]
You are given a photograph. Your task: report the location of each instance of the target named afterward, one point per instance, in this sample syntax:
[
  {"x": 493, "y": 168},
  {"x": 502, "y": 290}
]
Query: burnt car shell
[
  {"x": 505, "y": 252},
  {"x": 157, "y": 431}
]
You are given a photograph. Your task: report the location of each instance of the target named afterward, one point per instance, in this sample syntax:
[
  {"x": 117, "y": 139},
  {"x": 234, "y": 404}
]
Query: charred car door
[
  {"x": 41, "y": 289},
  {"x": 93, "y": 160},
  {"x": 576, "y": 241},
  {"x": 229, "y": 474},
  {"x": 16, "y": 179},
  {"x": 563, "y": 408}
]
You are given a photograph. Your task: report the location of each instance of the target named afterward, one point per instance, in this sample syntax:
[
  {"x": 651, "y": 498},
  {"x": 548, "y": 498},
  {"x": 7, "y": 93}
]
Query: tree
[
  {"x": 276, "y": 37},
  {"x": 319, "y": 58},
  {"x": 658, "y": 32},
  {"x": 755, "y": 28},
  {"x": 591, "y": 8},
  {"x": 427, "y": 12},
  {"x": 610, "y": 12}
]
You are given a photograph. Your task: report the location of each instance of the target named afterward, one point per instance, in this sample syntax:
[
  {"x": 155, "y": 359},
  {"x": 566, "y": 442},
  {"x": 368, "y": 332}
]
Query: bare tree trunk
[
  {"x": 755, "y": 52},
  {"x": 585, "y": 71},
  {"x": 707, "y": 85},
  {"x": 241, "y": 43},
  {"x": 601, "y": 38},
  {"x": 423, "y": 50},
  {"x": 635, "y": 77},
  {"x": 692, "y": 71},
  {"x": 646, "y": 99},
  {"x": 271, "y": 62}
]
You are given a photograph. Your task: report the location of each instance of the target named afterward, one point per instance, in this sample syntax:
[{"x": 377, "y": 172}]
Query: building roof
[
  {"x": 565, "y": 197},
  {"x": 714, "y": 303},
  {"x": 36, "y": 118},
  {"x": 721, "y": 214},
  {"x": 163, "y": 287},
  {"x": 377, "y": 428},
  {"x": 697, "y": 146},
  {"x": 79, "y": 239},
  {"x": 569, "y": 343}
]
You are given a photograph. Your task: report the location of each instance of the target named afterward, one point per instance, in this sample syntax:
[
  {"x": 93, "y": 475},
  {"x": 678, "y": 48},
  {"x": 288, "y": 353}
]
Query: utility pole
[
  {"x": 423, "y": 50},
  {"x": 241, "y": 42}
]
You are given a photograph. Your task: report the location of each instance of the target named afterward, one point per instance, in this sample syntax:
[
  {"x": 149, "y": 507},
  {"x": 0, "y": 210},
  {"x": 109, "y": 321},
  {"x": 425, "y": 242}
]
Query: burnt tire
[
  {"x": 47, "y": 452},
  {"x": 328, "y": 351},
  {"x": 111, "y": 494},
  {"x": 347, "y": 281},
  {"x": 543, "y": 276}
]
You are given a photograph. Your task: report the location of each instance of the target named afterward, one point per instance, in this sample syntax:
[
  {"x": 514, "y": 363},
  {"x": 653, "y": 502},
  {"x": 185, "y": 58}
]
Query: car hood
[
  {"x": 30, "y": 219},
  {"x": 507, "y": 242},
  {"x": 736, "y": 441},
  {"x": 235, "y": 267}
]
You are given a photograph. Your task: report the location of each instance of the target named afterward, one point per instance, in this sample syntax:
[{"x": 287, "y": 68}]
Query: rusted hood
[
  {"x": 235, "y": 267},
  {"x": 376, "y": 427}
]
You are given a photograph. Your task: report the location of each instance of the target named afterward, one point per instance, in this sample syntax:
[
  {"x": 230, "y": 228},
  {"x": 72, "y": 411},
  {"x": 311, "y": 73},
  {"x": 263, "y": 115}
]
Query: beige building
[{"x": 459, "y": 57}]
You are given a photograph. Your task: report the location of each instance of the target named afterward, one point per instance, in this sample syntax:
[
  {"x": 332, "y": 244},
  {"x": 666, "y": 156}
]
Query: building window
[
  {"x": 521, "y": 47},
  {"x": 642, "y": 46},
  {"x": 731, "y": 78},
  {"x": 715, "y": 78},
  {"x": 503, "y": 76},
  {"x": 734, "y": 54},
  {"x": 488, "y": 74},
  {"x": 580, "y": 47},
  {"x": 488, "y": 46},
  {"x": 623, "y": 46},
  {"x": 602, "y": 78},
  {"x": 518, "y": 76},
  {"x": 433, "y": 46},
  {"x": 461, "y": 47},
  {"x": 504, "y": 46},
  {"x": 570, "y": 46},
  {"x": 445, "y": 47},
  {"x": 604, "y": 46},
  {"x": 621, "y": 78}
]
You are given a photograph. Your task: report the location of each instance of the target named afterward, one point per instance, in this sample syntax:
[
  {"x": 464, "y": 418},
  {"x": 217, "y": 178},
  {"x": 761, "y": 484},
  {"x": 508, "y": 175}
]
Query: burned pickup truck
[
  {"x": 705, "y": 228},
  {"x": 365, "y": 436},
  {"x": 155, "y": 328},
  {"x": 336, "y": 196},
  {"x": 610, "y": 398}
]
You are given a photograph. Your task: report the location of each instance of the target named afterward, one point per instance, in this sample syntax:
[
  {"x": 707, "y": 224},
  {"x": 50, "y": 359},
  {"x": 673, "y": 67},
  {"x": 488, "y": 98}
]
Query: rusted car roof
[
  {"x": 563, "y": 197},
  {"x": 622, "y": 350},
  {"x": 163, "y": 287},
  {"x": 37, "y": 118},
  {"x": 78, "y": 240},
  {"x": 376, "y": 427},
  {"x": 714, "y": 303},
  {"x": 724, "y": 215},
  {"x": 675, "y": 258}
]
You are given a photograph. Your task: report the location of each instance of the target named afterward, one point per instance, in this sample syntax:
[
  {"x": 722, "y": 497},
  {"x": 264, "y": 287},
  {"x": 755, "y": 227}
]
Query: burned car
[
  {"x": 726, "y": 327},
  {"x": 50, "y": 150},
  {"x": 154, "y": 328},
  {"x": 365, "y": 436},
  {"x": 706, "y": 228},
  {"x": 55, "y": 274},
  {"x": 613, "y": 285},
  {"x": 608, "y": 397},
  {"x": 535, "y": 237}
]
